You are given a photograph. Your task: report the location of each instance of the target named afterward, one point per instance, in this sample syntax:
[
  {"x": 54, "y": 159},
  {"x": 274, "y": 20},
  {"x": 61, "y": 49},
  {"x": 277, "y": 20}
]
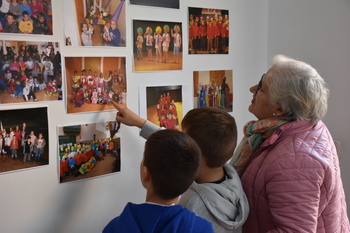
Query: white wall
[
  {"x": 317, "y": 32},
  {"x": 33, "y": 201}
]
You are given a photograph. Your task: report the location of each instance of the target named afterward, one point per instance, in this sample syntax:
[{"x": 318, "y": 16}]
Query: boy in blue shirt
[{"x": 165, "y": 177}]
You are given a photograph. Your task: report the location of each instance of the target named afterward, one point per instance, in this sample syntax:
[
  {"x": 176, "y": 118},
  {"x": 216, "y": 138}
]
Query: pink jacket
[{"x": 293, "y": 183}]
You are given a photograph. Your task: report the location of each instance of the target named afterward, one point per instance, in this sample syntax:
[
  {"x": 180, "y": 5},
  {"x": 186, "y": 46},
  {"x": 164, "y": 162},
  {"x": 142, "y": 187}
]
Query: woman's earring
[{"x": 274, "y": 114}]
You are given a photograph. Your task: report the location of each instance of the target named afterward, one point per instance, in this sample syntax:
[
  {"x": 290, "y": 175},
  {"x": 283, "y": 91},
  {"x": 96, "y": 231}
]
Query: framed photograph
[
  {"x": 93, "y": 81},
  {"x": 95, "y": 23},
  {"x": 27, "y": 17},
  {"x": 157, "y": 45},
  {"x": 208, "y": 31},
  {"x": 24, "y": 139},
  {"x": 162, "y": 105},
  {"x": 30, "y": 71},
  {"x": 213, "y": 88},
  {"x": 88, "y": 150},
  {"x": 164, "y": 3}
]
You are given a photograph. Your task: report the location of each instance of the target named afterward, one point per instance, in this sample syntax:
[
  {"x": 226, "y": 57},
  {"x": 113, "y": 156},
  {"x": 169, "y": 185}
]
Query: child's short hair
[
  {"x": 41, "y": 15},
  {"x": 172, "y": 158},
  {"x": 25, "y": 13},
  {"x": 215, "y": 132}
]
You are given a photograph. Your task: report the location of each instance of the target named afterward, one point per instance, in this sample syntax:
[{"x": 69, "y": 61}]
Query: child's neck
[
  {"x": 207, "y": 174},
  {"x": 158, "y": 200}
]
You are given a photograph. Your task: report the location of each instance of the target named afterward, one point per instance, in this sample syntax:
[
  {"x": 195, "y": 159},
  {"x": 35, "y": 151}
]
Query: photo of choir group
[
  {"x": 26, "y": 16},
  {"x": 208, "y": 31},
  {"x": 157, "y": 45},
  {"x": 100, "y": 23},
  {"x": 91, "y": 87},
  {"x": 213, "y": 89},
  {"x": 30, "y": 71},
  {"x": 164, "y": 106},
  {"x": 88, "y": 150},
  {"x": 164, "y": 3},
  {"x": 24, "y": 139}
]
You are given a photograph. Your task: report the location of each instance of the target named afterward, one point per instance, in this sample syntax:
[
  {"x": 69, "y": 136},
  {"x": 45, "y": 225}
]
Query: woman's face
[{"x": 260, "y": 105}]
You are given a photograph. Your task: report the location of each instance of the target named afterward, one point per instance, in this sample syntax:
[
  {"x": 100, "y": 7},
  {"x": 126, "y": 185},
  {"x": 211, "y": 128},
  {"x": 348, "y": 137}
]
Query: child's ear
[{"x": 146, "y": 178}]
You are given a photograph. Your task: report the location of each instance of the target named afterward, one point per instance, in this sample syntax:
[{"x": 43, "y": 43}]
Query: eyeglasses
[{"x": 259, "y": 88}]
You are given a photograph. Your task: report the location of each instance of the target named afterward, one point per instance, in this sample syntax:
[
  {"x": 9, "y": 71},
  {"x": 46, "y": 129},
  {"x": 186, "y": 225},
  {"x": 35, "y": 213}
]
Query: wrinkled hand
[{"x": 127, "y": 117}]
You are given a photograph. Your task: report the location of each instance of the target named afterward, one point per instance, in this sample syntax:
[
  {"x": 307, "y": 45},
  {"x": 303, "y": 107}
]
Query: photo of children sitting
[
  {"x": 30, "y": 71},
  {"x": 23, "y": 139},
  {"x": 208, "y": 31},
  {"x": 91, "y": 89},
  {"x": 85, "y": 155},
  {"x": 213, "y": 89},
  {"x": 164, "y": 106},
  {"x": 100, "y": 23},
  {"x": 26, "y": 17}
]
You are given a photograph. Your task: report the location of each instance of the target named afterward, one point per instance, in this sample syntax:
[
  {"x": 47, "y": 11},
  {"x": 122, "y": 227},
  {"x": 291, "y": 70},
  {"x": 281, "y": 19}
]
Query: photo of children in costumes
[
  {"x": 30, "y": 71},
  {"x": 90, "y": 88},
  {"x": 88, "y": 150},
  {"x": 208, "y": 31},
  {"x": 24, "y": 133},
  {"x": 101, "y": 23},
  {"x": 213, "y": 88},
  {"x": 26, "y": 16},
  {"x": 157, "y": 45},
  {"x": 164, "y": 106}
]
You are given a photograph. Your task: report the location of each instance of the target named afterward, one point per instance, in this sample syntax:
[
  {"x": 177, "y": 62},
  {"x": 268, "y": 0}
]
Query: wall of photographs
[{"x": 63, "y": 62}]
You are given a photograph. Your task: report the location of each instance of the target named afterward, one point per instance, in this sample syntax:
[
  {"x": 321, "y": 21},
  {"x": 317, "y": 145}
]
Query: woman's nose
[{"x": 253, "y": 88}]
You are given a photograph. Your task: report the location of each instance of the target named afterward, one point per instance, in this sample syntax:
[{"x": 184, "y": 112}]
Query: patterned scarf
[{"x": 255, "y": 133}]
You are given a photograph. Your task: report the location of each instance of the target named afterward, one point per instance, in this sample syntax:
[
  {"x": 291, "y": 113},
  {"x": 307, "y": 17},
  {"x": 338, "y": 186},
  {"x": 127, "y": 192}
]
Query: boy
[
  {"x": 165, "y": 178},
  {"x": 114, "y": 35},
  {"x": 177, "y": 42},
  {"x": 26, "y": 25},
  {"x": 217, "y": 194},
  {"x": 40, "y": 25},
  {"x": 11, "y": 24},
  {"x": 28, "y": 148}
]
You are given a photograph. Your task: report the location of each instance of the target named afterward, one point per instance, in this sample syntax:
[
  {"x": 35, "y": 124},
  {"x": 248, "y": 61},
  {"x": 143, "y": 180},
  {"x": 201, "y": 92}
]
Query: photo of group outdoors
[
  {"x": 164, "y": 3},
  {"x": 26, "y": 17},
  {"x": 95, "y": 23},
  {"x": 162, "y": 105},
  {"x": 213, "y": 88},
  {"x": 92, "y": 82},
  {"x": 24, "y": 139},
  {"x": 157, "y": 45},
  {"x": 30, "y": 71},
  {"x": 88, "y": 150},
  {"x": 208, "y": 31}
]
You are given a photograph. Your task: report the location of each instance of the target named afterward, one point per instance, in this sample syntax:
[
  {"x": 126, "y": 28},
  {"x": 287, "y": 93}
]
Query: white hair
[{"x": 297, "y": 89}]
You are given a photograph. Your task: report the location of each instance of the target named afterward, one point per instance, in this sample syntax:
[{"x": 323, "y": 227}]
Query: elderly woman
[{"x": 287, "y": 159}]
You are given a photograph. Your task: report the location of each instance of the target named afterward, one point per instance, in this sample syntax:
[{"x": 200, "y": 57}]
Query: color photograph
[
  {"x": 24, "y": 141},
  {"x": 157, "y": 45},
  {"x": 26, "y": 17},
  {"x": 164, "y": 3},
  {"x": 88, "y": 150},
  {"x": 208, "y": 31},
  {"x": 213, "y": 88},
  {"x": 92, "y": 82},
  {"x": 95, "y": 23},
  {"x": 30, "y": 71},
  {"x": 162, "y": 105}
]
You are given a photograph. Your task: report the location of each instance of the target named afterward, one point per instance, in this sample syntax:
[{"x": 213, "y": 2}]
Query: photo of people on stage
[
  {"x": 92, "y": 82},
  {"x": 24, "y": 139},
  {"x": 157, "y": 45},
  {"x": 95, "y": 23},
  {"x": 213, "y": 88},
  {"x": 88, "y": 150},
  {"x": 208, "y": 31},
  {"x": 30, "y": 71}
]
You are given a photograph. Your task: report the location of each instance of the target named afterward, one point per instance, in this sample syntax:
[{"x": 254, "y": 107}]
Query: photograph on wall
[
  {"x": 88, "y": 150},
  {"x": 92, "y": 82},
  {"x": 164, "y": 3},
  {"x": 162, "y": 105},
  {"x": 24, "y": 141},
  {"x": 213, "y": 88},
  {"x": 208, "y": 31},
  {"x": 95, "y": 23},
  {"x": 157, "y": 45},
  {"x": 26, "y": 17},
  {"x": 30, "y": 71}
]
